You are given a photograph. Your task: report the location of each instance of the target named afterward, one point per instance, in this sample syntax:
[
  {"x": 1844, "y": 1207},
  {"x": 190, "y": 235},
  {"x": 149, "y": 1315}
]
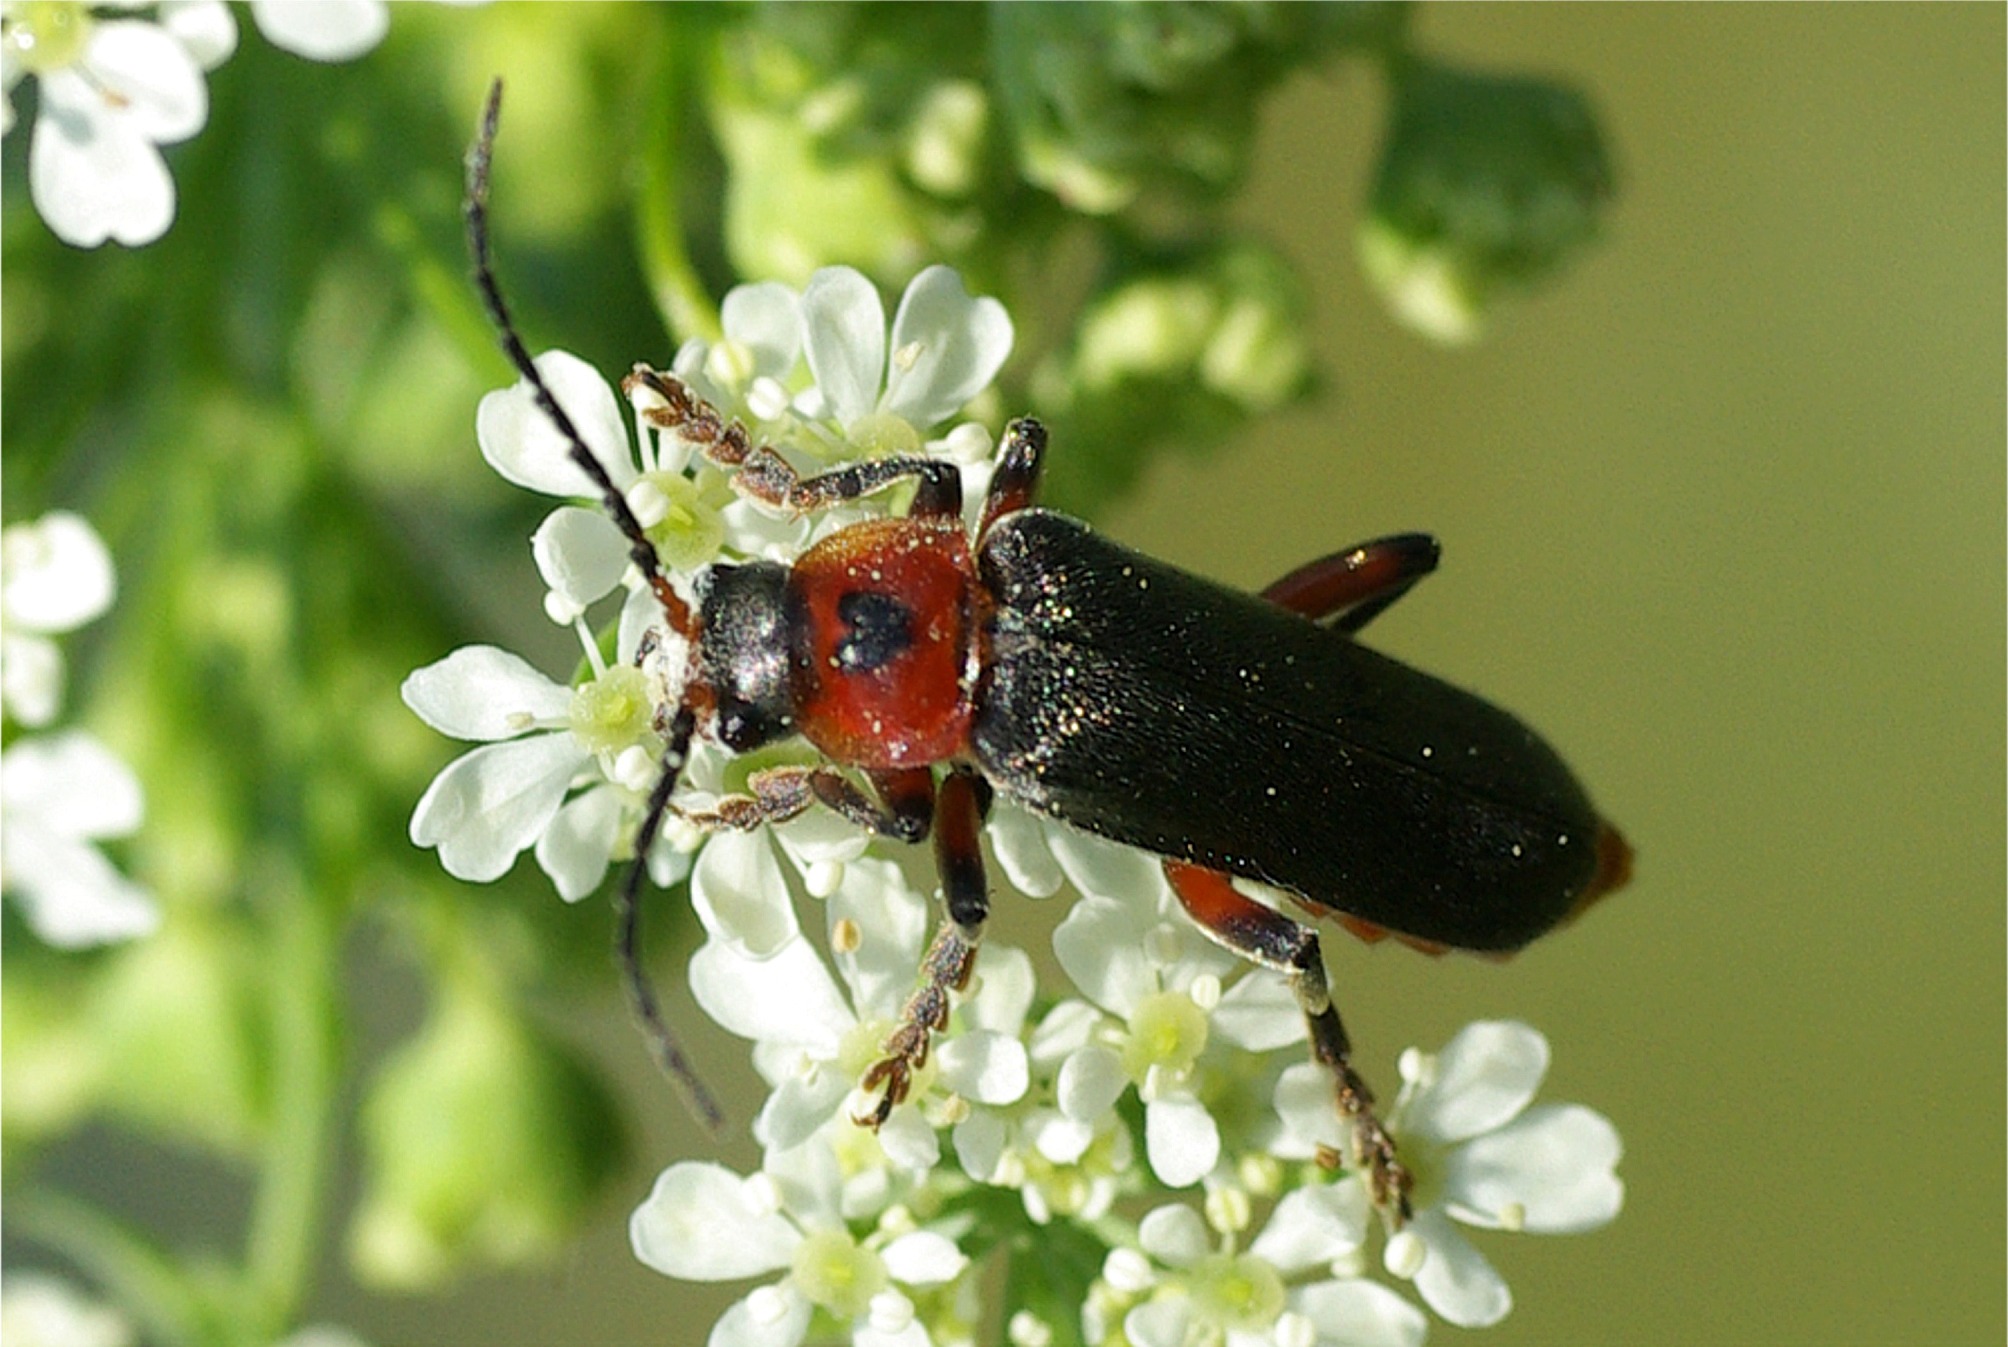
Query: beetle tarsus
[{"x": 944, "y": 971}]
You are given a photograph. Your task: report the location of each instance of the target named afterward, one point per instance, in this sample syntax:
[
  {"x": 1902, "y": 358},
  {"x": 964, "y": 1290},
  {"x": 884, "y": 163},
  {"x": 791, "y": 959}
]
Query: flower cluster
[
  {"x": 115, "y": 85},
  {"x": 63, "y": 791},
  {"x": 1145, "y": 1117}
]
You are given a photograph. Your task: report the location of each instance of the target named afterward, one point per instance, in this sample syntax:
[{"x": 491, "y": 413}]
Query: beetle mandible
[{"x": 1234, "y": 735}]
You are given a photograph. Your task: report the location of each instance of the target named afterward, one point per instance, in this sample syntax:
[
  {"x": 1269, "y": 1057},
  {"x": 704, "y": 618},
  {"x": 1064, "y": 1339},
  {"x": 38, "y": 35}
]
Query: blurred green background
[{"x": 1722, "y": 514}]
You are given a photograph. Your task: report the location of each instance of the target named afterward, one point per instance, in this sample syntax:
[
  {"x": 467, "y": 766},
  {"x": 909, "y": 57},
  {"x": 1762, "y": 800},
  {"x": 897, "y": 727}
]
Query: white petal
[
  {"x": 1484, "y": 1077},
  {"x": 741, "y": 894},
  {"x": 772, "y": 1316},
  {"x": 843, "y": 335},
  {"x": 640, "y": 614},
  {"x": 520, "y": 442},
  {"x": 204, "y": 27},
  {"x": 1090, "y": 1082},
  {"x": 818, "y": 835},
  {"x": 810, "y": 1179},
  {"x": 1006, "y": 986},
  {"x": 488, "y": 805},
  {"x": 69, "y": 893},
  {"x": 799, "y": 1105},
  {"x": 1181, "y": 1139},
  {"x": 985, "y": 1067},
  {"x": 913, "y": 1333},
  {"x": 1310, "y": 1112},
  {"x": 766, "y": 318},
  {"x": 57, "y": 574},
  {"x": 1554, "y": 1163},
  {"x": 72, "y": 785},
  {"x": 322, "y": 30},
  {"x": 909, "y": 1142},
  {"x": 156, "y": 83},
  {"x": 946, "y": 348},
  {"x": 1064, "y": 1029},
  {"x": 1455, "y": 1279},
  {"x": 1018, "y": 841},
  {"x": 1059, "y": 1139},
  {"x": 891, "y": 922},
  {"x": 667, "y": 866},
  {"x": 483, "y": 693},
  {"x": 1359, "y": 1313},
  {"x": 31, "y": 678},
  {"x": 787, "y": 997},
  {"x": 1101, "y": 947},
  {"x": 1160, "y": 1323},
  {"x": 579, "y": 845},
  {"x": 1313, "y": 1226},
  {"x": 92, "y": 176},
  {"x": 580, "y": 553},
  {"x": 1174, "y": 1235},
  {"x": 923, "y": 1258},
  {"x": 41, "y": 1309},
  {"x": 1110, "y": 870},
  {"x": 702, "y": 1222},
  {"x": 979, "y": 1144},
  {"x": 750, "y": 530},
  {"x": 1259, "y": 1013}
]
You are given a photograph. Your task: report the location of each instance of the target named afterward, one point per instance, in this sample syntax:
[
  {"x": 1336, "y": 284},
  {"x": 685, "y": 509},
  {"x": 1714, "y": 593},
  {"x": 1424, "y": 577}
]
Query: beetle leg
[
  {"x": 1016, "y": 480},
  {"x": 766, "y": 476},
  {"x": 1355, "y": 586},
  {"x": 772, "y": 480},
  {"x": 1269, "y": 938},
  {"x": 780, "y": 793},
  {"x": 951, "y": 957}
]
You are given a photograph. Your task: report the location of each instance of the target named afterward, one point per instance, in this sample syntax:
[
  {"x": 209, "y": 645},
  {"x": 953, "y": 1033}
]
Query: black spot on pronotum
[{"x": 880, "y": 630}]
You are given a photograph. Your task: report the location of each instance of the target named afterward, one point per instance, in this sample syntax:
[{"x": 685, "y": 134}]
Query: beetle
[{"x": 1236, "y": 736}]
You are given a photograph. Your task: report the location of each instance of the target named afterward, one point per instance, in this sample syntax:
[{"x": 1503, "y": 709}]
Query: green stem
[
  {"x": 286, "y": 1213},
  {"x": 679, "y": 296},
  {"x": 144, "y": 1282}
]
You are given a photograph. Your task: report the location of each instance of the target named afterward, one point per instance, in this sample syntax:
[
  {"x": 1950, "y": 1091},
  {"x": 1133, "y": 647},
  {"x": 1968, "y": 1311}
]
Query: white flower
[
  {"x": 1131, "y": 953},
  {"x": 1194, "y": 1284},
  {"x": 945, "y": 349},
  {"x": 322, "y": 30},
  {"x": 55, "y": 575},
  {"x": 62, "y": 793},
  {"x": 702, "y": 1222},
  {"x": 115, "y": 87},
  {"x": 541, "y": 742},
  {"x": 753, "y": 371},
  {"x": 815, "y": 1039},
  {"x": 112, "y": 91},
  {"x": 1478, "y": 1154},
  {"x": 580, "y": 551},
  {"x": 38, "y": 1309}
]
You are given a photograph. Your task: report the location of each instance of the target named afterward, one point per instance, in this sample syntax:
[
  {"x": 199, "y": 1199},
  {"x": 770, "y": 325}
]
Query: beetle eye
[{"x": 741, "y": 725}]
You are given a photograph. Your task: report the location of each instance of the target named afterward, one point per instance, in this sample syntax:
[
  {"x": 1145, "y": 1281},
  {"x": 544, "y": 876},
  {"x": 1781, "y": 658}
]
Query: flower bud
[{"x": 1485, "y": 185}]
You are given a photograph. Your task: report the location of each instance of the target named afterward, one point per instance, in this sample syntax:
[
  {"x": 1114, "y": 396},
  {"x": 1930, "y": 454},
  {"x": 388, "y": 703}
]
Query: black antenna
[{"x": 627, "y": 942}]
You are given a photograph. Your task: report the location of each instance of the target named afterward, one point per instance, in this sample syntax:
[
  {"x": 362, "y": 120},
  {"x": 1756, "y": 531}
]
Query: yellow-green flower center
[
  {"x": 835, "y": 1272},
  {"x": 1167, "y": 1030},
  {"x": 612, "y": 712},
  {"x": 883, "y": 435},
  {"x": 686, "y": 530},
  {"x": 1238, "y": 1292},
  {"x": 47, "y": 34}
]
